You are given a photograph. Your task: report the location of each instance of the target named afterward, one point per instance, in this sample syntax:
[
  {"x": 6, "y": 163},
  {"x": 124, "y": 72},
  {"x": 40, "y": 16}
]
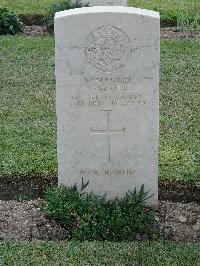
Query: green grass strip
[
  {"x": 28, "y": 119},
  {"x": 99, "y": 253},
  {"x": 27, "y": 6},
  {"x": 170, "y": 10}
]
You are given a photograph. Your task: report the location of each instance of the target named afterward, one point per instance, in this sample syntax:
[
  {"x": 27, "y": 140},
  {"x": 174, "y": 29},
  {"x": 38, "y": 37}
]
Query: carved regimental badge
[{"x": 107, "y": 48}]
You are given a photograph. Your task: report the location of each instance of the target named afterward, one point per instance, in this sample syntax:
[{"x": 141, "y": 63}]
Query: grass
[
  {"x": 27, "y": 88},
  {"x": 169, "y": 9},
  {"x": 28, "y": 119},
  {"x": 179, "y": 109},
  {"x": 27, "y": 6},
  {"x": 99, "y": 253}
]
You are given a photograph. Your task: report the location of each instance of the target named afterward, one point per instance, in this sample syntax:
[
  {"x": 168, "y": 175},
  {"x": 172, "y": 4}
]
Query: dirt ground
[
  {"x": 25, "y": 221},
  {"x": 165, "y": 33},
  {"x": 173, "y": 33},
  {"x": 179, "y": 221}
]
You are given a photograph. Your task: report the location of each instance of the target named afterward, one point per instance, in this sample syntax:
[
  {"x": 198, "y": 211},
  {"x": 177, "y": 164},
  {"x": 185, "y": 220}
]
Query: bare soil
[
  {"x": 32, "y": 186},
  {"x": 25, "y": 221},
  {"x": 35, "y": 31},
  {"x": 172, "y": 33},
  {"x": 30, "y": 20},
  {"x": 179, "y": 221},
  {"x": 166, "y": 33}
]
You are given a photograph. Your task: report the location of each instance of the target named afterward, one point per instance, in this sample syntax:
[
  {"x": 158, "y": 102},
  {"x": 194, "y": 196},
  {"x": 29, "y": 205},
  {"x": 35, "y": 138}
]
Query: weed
[
  {"x": 57, "y": 7},
  {"x": 89, "y": 217},
  {"x": 9, "y": 23}
]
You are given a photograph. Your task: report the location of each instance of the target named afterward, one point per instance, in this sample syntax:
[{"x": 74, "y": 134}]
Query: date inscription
[{"x": 92, "y": 172}]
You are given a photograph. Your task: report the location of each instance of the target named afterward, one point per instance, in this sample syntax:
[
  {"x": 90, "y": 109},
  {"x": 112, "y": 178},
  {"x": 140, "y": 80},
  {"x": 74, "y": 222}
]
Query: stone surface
[
  {"x": 107, "y": 76},
  {"x": 104, "y": 2},
  {"x": 182, "y": 219}
]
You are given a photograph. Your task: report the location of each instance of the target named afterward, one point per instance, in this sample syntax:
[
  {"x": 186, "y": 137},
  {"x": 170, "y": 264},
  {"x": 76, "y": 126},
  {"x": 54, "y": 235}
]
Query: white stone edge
[{"x": 107, "y": 9}]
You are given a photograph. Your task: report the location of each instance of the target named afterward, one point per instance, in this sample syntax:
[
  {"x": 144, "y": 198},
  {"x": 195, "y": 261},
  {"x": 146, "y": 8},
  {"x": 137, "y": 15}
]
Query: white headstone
[
  {"x": 103, "y": 2},
  {"x": 107, "y": 75}
]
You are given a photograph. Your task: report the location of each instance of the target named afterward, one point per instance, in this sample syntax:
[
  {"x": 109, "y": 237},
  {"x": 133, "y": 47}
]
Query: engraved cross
[{"x": 107, "y": 131}]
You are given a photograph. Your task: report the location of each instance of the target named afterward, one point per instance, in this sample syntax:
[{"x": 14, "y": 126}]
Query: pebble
[
  {"x": 197, "y": 184},
  {"x": 26, "y": 222},
  {"x": 182, "y": 219},
  {"x": 196, "y": 227}
]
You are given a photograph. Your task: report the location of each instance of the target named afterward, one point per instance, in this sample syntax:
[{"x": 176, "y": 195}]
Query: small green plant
[
  {"x": 89, "y": 217},
  {"x": 9, "y": 23},
  {"x": 57, "y": 7},
  {"x": 24, "y": 197},
  {"x": 186, "y": 23}
]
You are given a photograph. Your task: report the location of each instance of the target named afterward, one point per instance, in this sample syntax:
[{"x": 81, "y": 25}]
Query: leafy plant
[
  {"x": 189, "y": 19},
  {"x": 185, "y": 23},
  {"x": 89, "y": 217},
  {"x": 9, "y": 23},
  {"x": 24, "y": 197},
  {"x": 57, "y": 7}
]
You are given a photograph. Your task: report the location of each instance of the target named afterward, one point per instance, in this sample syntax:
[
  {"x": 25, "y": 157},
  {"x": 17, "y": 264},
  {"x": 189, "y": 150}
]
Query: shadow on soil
[{"x": 33, "y": 186}]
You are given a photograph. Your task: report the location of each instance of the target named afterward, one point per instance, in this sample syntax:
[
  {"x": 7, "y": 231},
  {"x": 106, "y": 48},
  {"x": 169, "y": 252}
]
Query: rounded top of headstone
[{"x": 107, "y": 9}]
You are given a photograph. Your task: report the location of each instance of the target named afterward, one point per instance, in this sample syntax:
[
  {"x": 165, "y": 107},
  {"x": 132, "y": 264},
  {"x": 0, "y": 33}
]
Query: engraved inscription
[
  {"x": 96, "y": 100},
  {"x": 107, "y": 48},
  {"x": 107, "y": 93},
  {"x": 92, "y": 172},
  {"x": 107, "y": 131}
]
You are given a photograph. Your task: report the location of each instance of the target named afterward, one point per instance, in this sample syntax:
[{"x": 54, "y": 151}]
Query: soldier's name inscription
[{"x": 106, "y": 91}]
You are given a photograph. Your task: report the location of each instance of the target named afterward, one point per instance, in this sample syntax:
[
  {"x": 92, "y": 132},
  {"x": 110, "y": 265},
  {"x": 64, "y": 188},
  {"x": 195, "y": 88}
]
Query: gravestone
[
  {"x": 103, "y": 2},
  {"x": 107, "y": 75}
]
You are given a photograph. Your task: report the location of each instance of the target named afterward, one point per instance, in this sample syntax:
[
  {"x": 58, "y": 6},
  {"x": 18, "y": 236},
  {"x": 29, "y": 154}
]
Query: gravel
[
  {"x": 180, "y": 221},
  {"x": 35, "y": 31},
  {"x": 173, "y": 33},
  {"x": 25, "y": 221}
]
